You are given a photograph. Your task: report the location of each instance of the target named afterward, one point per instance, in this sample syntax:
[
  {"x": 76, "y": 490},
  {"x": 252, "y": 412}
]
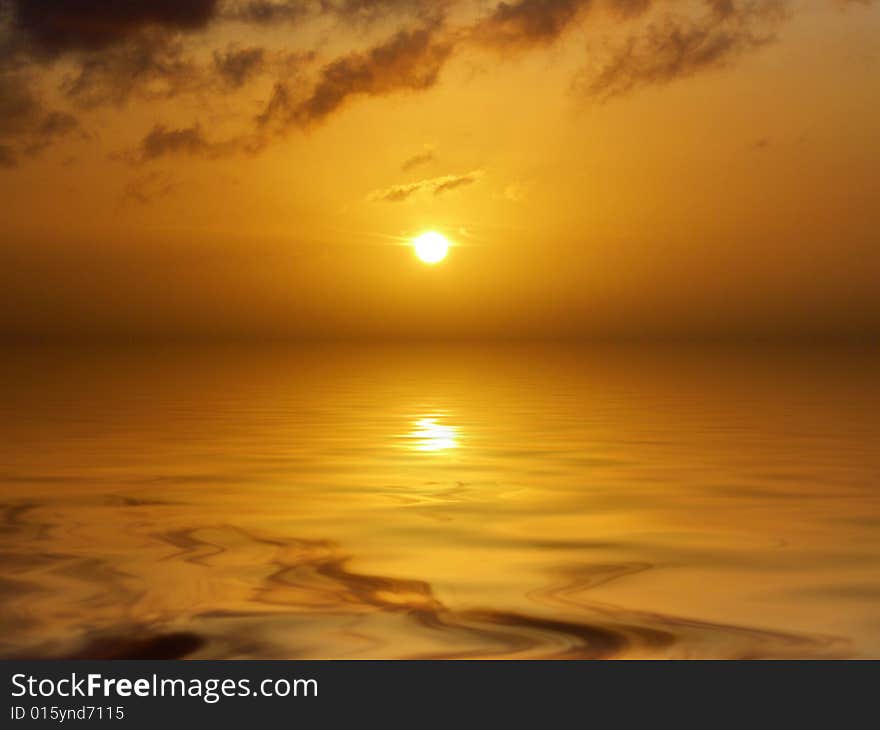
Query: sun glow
[
  {"x": 430, "y": 435},
  {"x": 431, "y": 247}
]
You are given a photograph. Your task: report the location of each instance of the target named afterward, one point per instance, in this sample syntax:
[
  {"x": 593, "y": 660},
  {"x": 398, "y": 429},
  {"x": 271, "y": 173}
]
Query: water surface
[{"x": 440, "y": 501}]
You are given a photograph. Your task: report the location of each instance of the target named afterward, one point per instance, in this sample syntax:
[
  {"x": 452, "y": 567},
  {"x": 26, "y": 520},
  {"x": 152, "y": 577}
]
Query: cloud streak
[
  {"x": 54, "y": 27},
  {"x": 423, "y": 158},
  {"x": 523, "y": 24},
  {"x": 409, "y": 60},
  {"x": 272, "y": 12},
  {"x": 678, "y": 47},
  {"x": 162, "y": 141},
  {"x": 435, "y": 186}
]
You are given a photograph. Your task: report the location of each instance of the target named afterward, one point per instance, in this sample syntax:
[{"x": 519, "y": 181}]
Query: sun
[{"x": 431, "y": 247}]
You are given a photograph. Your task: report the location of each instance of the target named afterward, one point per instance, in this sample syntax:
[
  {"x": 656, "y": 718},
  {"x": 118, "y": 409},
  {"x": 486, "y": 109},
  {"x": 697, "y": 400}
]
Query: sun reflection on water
[{"x": 429, "y": 434}]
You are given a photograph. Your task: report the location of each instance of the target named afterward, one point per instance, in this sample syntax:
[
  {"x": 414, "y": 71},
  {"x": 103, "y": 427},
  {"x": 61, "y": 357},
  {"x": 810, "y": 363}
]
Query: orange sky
[{"x": 608, "y": 168}]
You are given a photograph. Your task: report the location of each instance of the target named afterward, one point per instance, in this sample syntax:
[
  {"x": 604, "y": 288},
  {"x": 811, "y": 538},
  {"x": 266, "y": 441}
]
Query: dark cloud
[
  {"x": 52, "y": 126},
  {"x": 236, "y": 66},
  {"x": 410, "y": 60},
  {"x": 267, "y": 11},
  {"x": 526, "y": 23},
  {"x": 58, "y": 26},
  {"x": 26, "y": 126},
  {"x": 121, "y": 48},
  {"x": 19, "y": 107},
  {"x": 418, "y": 160},
  {"x": 678, "y": 47},
  {"x": 375, "y": 10},
  {"x": 151, "y": 65},
  {"x": 124, "y": 49},
  {"x": 273, "y": 12},
  {"x": 435, "y": 185},
  {"x": 161, "y": 141},
  {"x": 154, "y": 66}
]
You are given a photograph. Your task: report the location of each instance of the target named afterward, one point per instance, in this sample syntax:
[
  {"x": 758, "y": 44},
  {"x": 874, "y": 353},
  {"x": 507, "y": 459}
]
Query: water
[{"x": 439, "y": 501}]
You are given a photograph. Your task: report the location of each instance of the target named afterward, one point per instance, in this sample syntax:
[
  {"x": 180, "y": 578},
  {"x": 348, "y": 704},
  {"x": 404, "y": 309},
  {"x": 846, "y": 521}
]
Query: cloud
[
  {"x": 18, "y": 105},
  {"x": 236, "y": 66},
  {"x": 120, "y": 49},
  {"x": 267, "y": 11},
  {"x": 436, "y": 185},
  {"x": 423, "y": 158},
  {"x": 191, "y": 141},
  {"x": 143, "y": 49},
  {"x": 151, "y": 66},
  {"x": 409, "y": 60},
  {"x": 154, "y": 66},
  {"x": 26, "y": 126},
  {"x": 163, "y": 142},
  {"x": 628, "y": 8},
  {"x": 273, "y": 12},
  {"x": 453, "y": 182},
  {"x": 52, "y": 126},
  {"x": 678, "y": 47},
  {"x": 147, "y": 188},
  {"x": 54, "y": 27},
  {"x": 527, "y": 23}
]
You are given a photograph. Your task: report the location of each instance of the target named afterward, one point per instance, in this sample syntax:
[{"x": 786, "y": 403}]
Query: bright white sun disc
[{"x": 431, "y": 247}]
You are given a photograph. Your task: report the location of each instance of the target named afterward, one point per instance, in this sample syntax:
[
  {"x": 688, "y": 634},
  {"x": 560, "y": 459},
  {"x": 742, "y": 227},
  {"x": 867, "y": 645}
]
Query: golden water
[{"x": 440, "y": 501}]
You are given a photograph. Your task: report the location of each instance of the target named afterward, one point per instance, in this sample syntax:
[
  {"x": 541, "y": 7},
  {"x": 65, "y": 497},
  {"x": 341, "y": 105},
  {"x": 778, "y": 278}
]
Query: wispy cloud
[
  {"x": 162, "y": 141},
  {"x": 524, "y": 23},
  {"x": 423, "y": 158},
  {"x": 410, "y": 60},
  {"x": 116, "y": 52},
  {"x": 146, "y": 188},
  {"x": 677, "y": 47},
  {"x": 27, "y": 126},
  {"x": 434, "y": 185}
]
